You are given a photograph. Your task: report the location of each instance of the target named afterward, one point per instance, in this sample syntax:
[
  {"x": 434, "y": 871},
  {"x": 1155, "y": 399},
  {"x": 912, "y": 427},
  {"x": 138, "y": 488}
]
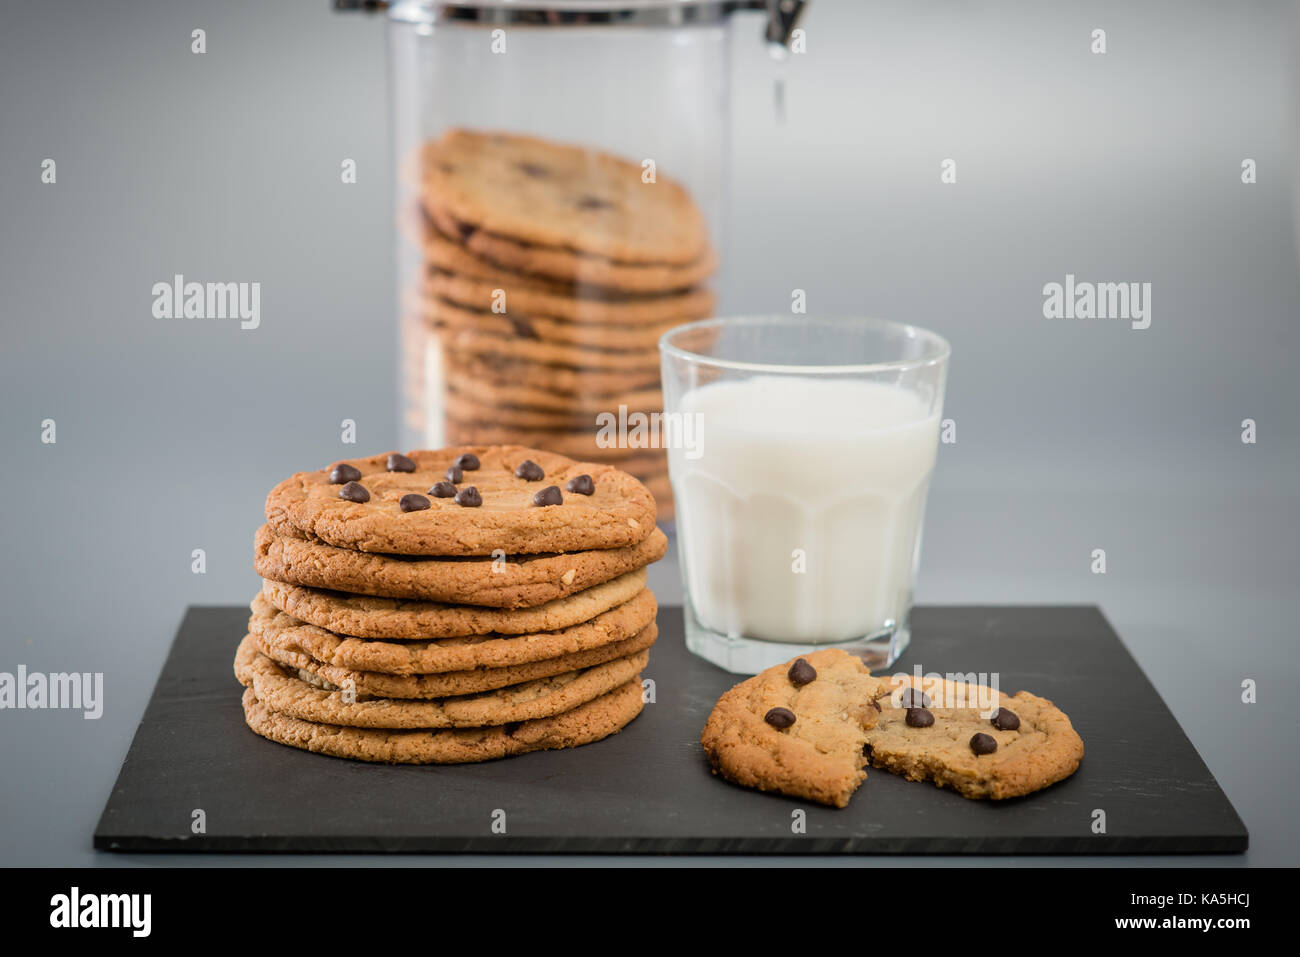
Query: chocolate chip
[
  {"x": 919, "y": 718},
  {"x": 535, "y": 170},
  {"x": 413, "y": 503},
  {"x": 594, "y": 202},
  {"x": 344, "y": 473},
  {"x": 549, "y": 496},
  {"x": 1005, "y": 720},
  {"x": 400, "y": 463},
  {"x": 529, "y": 471},
  {"x": 581, "y": 484},
  {"x": 914, "y": 699},
  {"x": 983, "y": 743},
  {"x": 523, "y": 328},
  {"x": 469, "y": 497},
  {"x": 354, "y": 492},
  {"x": 443, "y": 490},
  {"x": 469, "y": 462},
  {"x": 779, "y": 717},
  {"x": 455, "y": 475},
  {"x": 866, "y": 750},
  {"x": 801, "y": 672},
  {"x": 466, "y": 230}
]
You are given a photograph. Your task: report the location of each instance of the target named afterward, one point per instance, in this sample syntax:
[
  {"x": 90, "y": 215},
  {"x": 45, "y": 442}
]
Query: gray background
[{"x": 1071, "y": 435}]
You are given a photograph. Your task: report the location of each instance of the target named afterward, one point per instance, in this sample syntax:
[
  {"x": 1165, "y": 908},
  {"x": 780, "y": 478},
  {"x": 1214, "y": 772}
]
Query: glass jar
[{"x": 561, "y": 176}]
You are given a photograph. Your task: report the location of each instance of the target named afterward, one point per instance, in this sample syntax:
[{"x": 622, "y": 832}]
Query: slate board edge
[{"x": 702, "y": 846}]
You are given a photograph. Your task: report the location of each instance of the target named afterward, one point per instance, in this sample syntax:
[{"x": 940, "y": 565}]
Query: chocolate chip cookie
[
  {"x": 365, "y": 616},
  {"x": 584, "y": 724},
  {"x": 461, "y": 653},
  {"x": 388, "y": 504},
  {"x": 551, "y": 194},
  {"x": 514, "y": 581},
  {"x": 282, "y": 646},
  {"x": 282, "y": 690}
]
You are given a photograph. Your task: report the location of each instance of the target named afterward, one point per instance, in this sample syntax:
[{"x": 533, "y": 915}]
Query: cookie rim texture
[
  {"x": 471, "y": 293},
  {"x": 450, "y": 684},
  {"x": 440, "y": 656},
  {"x": 290, "y": 695},
  {"x": 449, "y": 317},
  {"x": 587, "y": 723},
  {"x": 744, "y": 749},
  {"x": 308, "y": 502},
  {"x": 505, "y": 261},
  {"x": 519, "y": 582},
  {"x": 402, "y": 619}
]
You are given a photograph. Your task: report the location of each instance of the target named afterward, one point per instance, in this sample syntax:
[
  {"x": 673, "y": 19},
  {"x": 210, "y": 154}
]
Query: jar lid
[{"x": 781, "y": 14}]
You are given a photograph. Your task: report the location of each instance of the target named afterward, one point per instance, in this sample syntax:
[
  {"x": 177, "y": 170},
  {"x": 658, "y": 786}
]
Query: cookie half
[
  {"x": 784, "y": 731},
  {"x": 1025, "y": 746}
]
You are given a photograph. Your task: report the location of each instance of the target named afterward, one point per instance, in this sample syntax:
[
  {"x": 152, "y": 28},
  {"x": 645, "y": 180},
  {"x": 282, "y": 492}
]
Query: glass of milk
[{"x": 801, "y": 491}]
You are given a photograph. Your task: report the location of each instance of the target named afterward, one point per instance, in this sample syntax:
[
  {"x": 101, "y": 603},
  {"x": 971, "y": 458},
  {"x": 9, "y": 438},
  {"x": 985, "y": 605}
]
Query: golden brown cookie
[
  {"x": 584, "y": 385},
  {"x": 587, "y": 723},
  {"x": 461, "y": 408},
  {"x": 365, "y": 616},
  {"x": 510, "y": 264},
  {"x": 555, "y": 194},
  {"x": 524, "y": 301},
  {"x": 640, "y": 362},
  {"x": 465, "y": 653},
  {"x": 362, "y": 504},
  {"x": 518, "y": 581},
  {"x": 452, "y": 318},
  {"x": 798, "y": 728},
  {"x": 973, "y": 740},
  {"x": 281, "y": 690},
  {"x": 490, "y": 390},
  {"x": 444, "y": 684}
]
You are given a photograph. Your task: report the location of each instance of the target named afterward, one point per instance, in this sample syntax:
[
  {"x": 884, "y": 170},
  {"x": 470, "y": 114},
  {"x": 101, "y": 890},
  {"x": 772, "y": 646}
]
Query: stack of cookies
[
  {"x": 450, "y": 606},
  {"x": 549, "y": 273}
]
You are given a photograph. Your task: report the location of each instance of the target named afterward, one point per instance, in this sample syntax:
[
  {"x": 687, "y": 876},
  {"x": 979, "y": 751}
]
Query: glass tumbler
[{"x": 800, "y": 475}]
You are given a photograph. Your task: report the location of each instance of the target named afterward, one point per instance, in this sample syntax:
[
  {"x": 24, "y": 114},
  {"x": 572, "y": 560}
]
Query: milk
[{"x": 801, "y": 520}]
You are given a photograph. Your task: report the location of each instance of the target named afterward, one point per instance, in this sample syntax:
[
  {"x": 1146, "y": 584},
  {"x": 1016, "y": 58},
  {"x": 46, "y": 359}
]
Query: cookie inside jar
[{"x": 546, "y": 272}]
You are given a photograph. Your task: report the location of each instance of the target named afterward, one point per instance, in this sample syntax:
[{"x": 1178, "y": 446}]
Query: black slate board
[{"x": 649, "y": 790}]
